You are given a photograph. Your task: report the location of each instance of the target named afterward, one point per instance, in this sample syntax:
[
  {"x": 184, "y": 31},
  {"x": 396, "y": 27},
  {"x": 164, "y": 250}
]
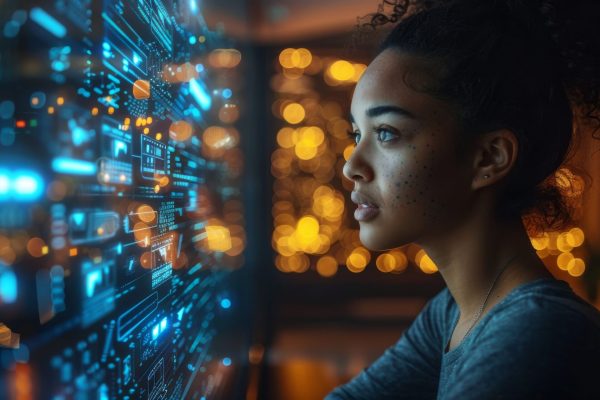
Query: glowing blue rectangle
[
  {"x": 200, "y": 94},
  {"x": 93, "y": 279},
  {"x": 73, "y": 166},
  {"x": 48, "y": 22},
  {"x": 119, "y": 147},
  {"x": 98, "y": 294}
]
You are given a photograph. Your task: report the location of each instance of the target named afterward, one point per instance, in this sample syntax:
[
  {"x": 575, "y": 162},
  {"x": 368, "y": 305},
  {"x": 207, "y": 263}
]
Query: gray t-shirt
[{"x": 541, "y": 341}]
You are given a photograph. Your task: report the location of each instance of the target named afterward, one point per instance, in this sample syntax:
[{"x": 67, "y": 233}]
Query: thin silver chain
[{"x": 487, "y": 296}]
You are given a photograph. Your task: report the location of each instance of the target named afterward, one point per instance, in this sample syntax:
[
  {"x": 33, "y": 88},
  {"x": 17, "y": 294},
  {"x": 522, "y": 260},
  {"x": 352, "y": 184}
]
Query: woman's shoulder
[
  {"x": 546, "y": 308},
  {"x": 547, "y": 299},
  {"x": 541, "y": 338},
  {"x": 545, "y": 315}
]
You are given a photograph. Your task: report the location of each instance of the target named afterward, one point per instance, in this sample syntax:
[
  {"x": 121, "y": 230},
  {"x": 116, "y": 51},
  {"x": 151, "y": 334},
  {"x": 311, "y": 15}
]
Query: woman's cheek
[{"x": 415, "y": 187}]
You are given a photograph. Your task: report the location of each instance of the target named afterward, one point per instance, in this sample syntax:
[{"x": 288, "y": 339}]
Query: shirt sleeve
[
  {"x": 408, "y": 369},
  {"x": 539, "y": 351}
]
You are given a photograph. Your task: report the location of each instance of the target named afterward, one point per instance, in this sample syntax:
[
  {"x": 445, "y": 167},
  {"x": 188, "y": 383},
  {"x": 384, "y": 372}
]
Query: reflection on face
[{"x": 405, "y": 160}]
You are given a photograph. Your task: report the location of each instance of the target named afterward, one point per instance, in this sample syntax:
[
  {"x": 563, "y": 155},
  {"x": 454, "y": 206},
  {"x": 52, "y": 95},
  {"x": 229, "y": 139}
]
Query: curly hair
[{"x": 531, "y": 66}]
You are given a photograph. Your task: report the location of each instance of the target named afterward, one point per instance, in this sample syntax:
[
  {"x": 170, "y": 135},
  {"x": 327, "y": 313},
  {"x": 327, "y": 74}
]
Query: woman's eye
[
  {"x": 383, "y": 133},
  {"x": 354, "y": 135}
]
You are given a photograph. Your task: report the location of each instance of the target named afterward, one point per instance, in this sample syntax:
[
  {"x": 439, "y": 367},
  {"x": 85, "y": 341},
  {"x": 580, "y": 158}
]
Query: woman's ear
[{"x": 494, "y": 155}]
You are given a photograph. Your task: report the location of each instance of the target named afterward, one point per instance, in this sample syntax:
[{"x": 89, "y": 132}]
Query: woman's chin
[{"x": 378, "y": 242}]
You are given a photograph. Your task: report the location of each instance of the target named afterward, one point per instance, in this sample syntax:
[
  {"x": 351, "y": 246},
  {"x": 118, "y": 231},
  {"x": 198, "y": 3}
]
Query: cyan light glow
[
  {"x": 79, "y": 135},
  {"x": 193, "y": 6},
  {"x": 200, "y": 94},
  {"x": 8, "y": 286},
  {"x": 225, "y": 303},
  {"x": 73, "y": 166},
  {"x": 48, "y": 22},
  {"x": 227, "y": 93},
  {"x": 78, "y": 218},
  {"x": 92, "y": 280},
  {"x": 227, "y": 361},
  {"x": 4, "y": 183},
  {"x": 21, "y": 185},
  {"x": 119, "y": 147},
  {"x": 106, "y": 50},
  {"x": 159, "y": 328},
  {"x": 27, "y": 185}
]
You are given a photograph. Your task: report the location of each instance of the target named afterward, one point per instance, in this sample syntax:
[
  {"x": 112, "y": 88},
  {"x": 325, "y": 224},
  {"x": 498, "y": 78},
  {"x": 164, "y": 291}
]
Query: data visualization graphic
[{"x": 121, "y": 212}]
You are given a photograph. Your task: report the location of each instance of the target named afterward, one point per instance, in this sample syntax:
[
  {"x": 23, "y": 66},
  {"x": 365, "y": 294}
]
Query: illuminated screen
[{"x": 121, "y": 212}]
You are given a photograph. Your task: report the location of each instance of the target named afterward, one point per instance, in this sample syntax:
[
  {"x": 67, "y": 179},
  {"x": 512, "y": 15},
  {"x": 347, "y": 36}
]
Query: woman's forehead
[{"x": 392, "y": 79}]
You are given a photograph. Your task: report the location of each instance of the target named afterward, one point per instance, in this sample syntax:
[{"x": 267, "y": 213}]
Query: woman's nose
[{"x": 357, "y": 168}]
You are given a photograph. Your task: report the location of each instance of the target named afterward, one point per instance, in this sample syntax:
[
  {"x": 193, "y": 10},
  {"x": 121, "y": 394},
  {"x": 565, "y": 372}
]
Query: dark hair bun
[{"x": 574, "y": 25}]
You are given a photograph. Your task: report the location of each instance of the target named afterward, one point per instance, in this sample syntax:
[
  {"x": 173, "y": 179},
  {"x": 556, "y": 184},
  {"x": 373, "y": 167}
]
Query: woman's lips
[
  {"x": 367, "y": 209},
  {"x": 365, "y": 212}
]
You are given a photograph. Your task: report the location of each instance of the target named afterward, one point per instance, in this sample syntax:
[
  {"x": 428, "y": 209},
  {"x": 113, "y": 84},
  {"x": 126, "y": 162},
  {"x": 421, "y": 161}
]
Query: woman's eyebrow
[{"x": 386, "y": 109}]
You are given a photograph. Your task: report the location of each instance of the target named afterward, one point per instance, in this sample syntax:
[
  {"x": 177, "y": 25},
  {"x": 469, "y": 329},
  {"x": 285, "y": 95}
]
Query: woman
[{"x": 461, "y": 122}]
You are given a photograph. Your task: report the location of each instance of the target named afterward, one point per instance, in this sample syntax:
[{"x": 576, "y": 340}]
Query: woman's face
[{"x": 405, "y": 161}]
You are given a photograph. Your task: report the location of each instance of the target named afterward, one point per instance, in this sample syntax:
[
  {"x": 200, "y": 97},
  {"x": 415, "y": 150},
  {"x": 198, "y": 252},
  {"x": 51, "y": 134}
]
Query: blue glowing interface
[{"x": 121, "y": 213}]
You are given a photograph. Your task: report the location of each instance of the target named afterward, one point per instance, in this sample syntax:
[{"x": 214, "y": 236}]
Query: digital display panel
[{"x": 121, "y": 211}]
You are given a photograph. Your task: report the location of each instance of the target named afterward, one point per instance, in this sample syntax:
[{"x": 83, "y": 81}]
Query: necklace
[{"x": 486, "y": 297}]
